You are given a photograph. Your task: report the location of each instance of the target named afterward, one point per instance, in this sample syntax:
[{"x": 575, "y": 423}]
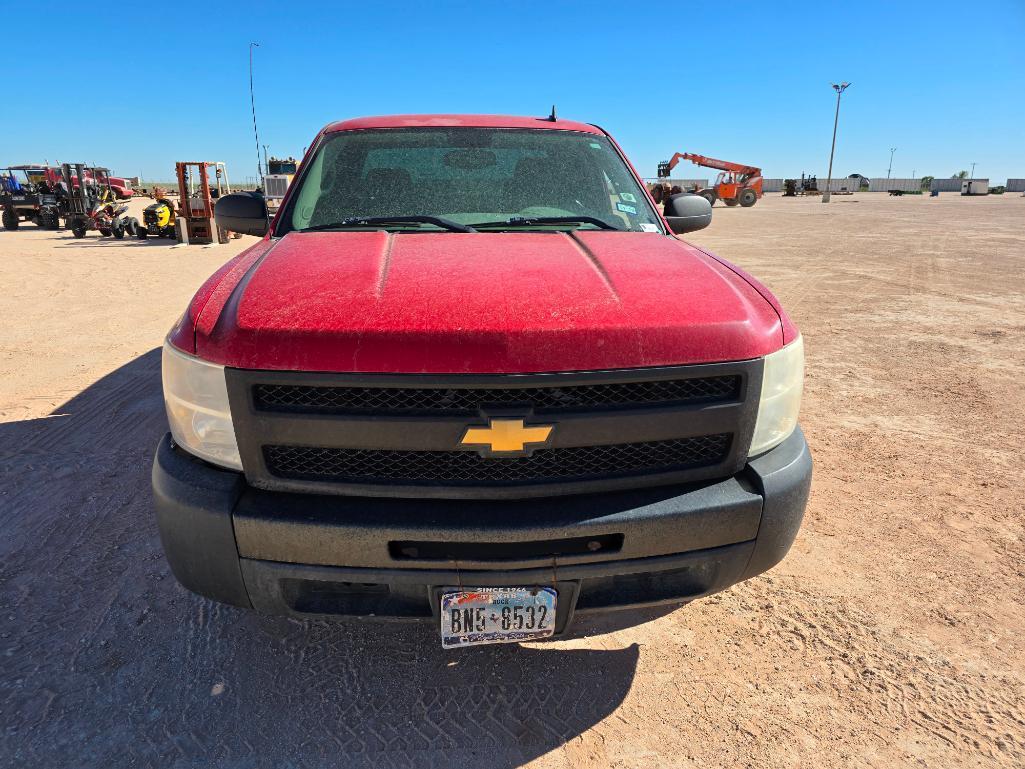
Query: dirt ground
[{"x": 892, "y": 635}]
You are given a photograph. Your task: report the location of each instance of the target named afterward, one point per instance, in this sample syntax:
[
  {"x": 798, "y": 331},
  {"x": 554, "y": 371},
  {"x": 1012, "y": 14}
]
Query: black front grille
[
  {"x": 467, "y": 468},
  {"x": 469, "y": 401}
]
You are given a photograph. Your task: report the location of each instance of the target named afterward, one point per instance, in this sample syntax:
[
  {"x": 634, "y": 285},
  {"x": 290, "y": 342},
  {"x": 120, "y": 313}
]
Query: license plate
[{"x": 495, "y": 615}]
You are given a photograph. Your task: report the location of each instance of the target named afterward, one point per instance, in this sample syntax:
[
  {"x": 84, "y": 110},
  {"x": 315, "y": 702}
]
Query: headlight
[
  {"x": 782, "y": 383},
  {"x": 196, "y": 398}
]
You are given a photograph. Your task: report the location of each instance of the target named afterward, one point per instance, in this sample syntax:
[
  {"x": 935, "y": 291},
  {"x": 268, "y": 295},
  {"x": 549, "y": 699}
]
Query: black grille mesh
[
  {"x": 441, "y": 400},
  {"x": 454, "y": 468}
]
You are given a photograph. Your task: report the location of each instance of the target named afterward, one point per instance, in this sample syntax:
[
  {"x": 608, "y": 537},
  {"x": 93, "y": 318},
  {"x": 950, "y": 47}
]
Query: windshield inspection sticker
[
  {"x": 632, "y": 210},
  {"x": 628, "y": 197},
  {"x": 649, "y": 227},
  {"x": 595, "y": 145}
]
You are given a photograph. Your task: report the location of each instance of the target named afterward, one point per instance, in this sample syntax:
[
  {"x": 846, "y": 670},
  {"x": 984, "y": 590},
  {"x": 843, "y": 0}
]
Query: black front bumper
[{"x": 378, "y": 557}]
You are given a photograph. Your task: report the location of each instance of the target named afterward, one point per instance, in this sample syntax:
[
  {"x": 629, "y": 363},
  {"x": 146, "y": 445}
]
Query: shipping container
[{"x": 1016, "y": 185}]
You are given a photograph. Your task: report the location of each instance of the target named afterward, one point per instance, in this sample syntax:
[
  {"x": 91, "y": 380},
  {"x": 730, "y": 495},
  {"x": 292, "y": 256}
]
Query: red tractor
[{"x": 735, "y": 184}]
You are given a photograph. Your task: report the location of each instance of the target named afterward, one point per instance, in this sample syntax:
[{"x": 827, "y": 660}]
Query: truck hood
[{"x": 482, "y": 303}]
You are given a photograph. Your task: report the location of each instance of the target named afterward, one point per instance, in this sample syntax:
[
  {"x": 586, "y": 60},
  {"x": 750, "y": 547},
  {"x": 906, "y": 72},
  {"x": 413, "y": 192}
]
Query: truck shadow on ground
[
  {"x": 108, "y": 662},
  {"x": 98, "y": 242}
]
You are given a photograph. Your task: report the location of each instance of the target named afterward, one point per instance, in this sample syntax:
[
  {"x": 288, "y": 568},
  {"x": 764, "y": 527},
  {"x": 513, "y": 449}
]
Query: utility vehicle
[
  {"x": 30, "y": 194},
  {"x": 469, "y": 375}
]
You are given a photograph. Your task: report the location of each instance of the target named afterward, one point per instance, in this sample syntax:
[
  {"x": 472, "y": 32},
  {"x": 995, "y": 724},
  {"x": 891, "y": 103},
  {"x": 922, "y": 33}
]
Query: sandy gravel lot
[{"x": 893, "y": 634}]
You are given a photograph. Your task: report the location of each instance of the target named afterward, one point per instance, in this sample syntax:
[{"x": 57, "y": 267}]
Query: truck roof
[{"x": 464, "y": 121}]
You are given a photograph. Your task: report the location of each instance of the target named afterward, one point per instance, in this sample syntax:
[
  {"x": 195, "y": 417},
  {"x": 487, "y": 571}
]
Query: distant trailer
[
  {"x": 879, "y": 184},
  {"x": 975, "y": 187},
  {"x": 685, "y": 184},
  {"x": 945, "y": 185},
  {"x": 841, "y": 186},
  {"x": 1016, "y": 185}
]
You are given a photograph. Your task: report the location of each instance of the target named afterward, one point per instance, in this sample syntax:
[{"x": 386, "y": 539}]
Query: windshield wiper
[
  {"x": 526, "y": 221},
  {"x": 365, "y": 221}
]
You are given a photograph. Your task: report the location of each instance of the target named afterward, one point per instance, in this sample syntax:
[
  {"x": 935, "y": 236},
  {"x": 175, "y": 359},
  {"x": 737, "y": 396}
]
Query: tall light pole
[
  {"x": 265, "y": 166},
  {"x": 839, "y": 88},
  {"x": 252, "y": 102},
  {"x": 888, "y": 170},
  {"x": 973, "y": 171}
]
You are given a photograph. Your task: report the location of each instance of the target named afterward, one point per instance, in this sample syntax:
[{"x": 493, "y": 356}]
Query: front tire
[
  {"x": 709, "y": 195},
  {"x": 748, "y": 198},
  {"x": 78, "y": 229},
  {"x": 731, "y": 202},
  {"x": 10, "y": 219},
  {"x": 142, "y": 234},
  {"x": 132, "y": 226},
  {"x": 118, "y": 231}
]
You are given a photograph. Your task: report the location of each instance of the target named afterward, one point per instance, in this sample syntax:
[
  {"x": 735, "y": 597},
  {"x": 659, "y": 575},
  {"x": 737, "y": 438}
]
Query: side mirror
[
  {"x": 687, "y": 212},
  {"x": 244, "y": 212}
]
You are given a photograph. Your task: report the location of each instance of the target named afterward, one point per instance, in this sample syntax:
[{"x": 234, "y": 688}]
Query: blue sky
[{"x": 944, "y": 82}]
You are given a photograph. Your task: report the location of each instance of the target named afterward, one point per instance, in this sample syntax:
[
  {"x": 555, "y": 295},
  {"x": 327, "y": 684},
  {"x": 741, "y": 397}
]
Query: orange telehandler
[{"x": 735, "y": 184}]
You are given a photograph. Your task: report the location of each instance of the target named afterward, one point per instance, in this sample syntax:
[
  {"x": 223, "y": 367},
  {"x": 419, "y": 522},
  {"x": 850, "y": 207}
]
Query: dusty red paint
[
  {"x": 459, "y": 121},
  {"x": 790, "y": 332},
  {"x": 218, "y": 287},
  {"x": 478, "y": 303},
  {"x": 481, "y": 303}
]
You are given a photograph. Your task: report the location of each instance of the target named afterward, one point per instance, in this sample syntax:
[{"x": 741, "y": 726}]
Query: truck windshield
[{"x": 498, "y": 178}]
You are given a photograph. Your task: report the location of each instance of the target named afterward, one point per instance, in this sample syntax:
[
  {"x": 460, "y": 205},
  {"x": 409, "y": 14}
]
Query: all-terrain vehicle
[
  {"x": 113, "y": 219},
  {"x": 158, "y": 220},
  {"x": 30, "y": 194},
  {"x": 470, "y": 376}
]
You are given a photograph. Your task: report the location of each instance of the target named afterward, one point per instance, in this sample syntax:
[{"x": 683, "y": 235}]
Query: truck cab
[
  {"x": 280, "y": 172},
  {"x": 470, "y": 375}
]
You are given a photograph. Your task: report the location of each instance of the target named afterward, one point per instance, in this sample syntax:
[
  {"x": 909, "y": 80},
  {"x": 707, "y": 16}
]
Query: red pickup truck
[{"x": 470, "y": 375}]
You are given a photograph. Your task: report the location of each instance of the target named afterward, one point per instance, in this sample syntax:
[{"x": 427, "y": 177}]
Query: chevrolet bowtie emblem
[{"x": 506, "y": 436}]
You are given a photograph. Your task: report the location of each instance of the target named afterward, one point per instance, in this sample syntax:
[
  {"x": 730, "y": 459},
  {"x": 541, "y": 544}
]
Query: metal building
[
  {"x": 975, "y": 186},
  {"x": 1016, "y": 185}
]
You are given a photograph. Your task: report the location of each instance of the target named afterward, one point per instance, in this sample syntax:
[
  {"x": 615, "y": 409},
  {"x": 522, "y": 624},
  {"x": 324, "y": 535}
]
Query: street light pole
[
  {"x": 973, "y": 171},
  {"x": 839, "y": 88},
  {"x": 888, "y": 170},
  {"x": 252, "y": 102},
  {"x": 266, "y": 167}
]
